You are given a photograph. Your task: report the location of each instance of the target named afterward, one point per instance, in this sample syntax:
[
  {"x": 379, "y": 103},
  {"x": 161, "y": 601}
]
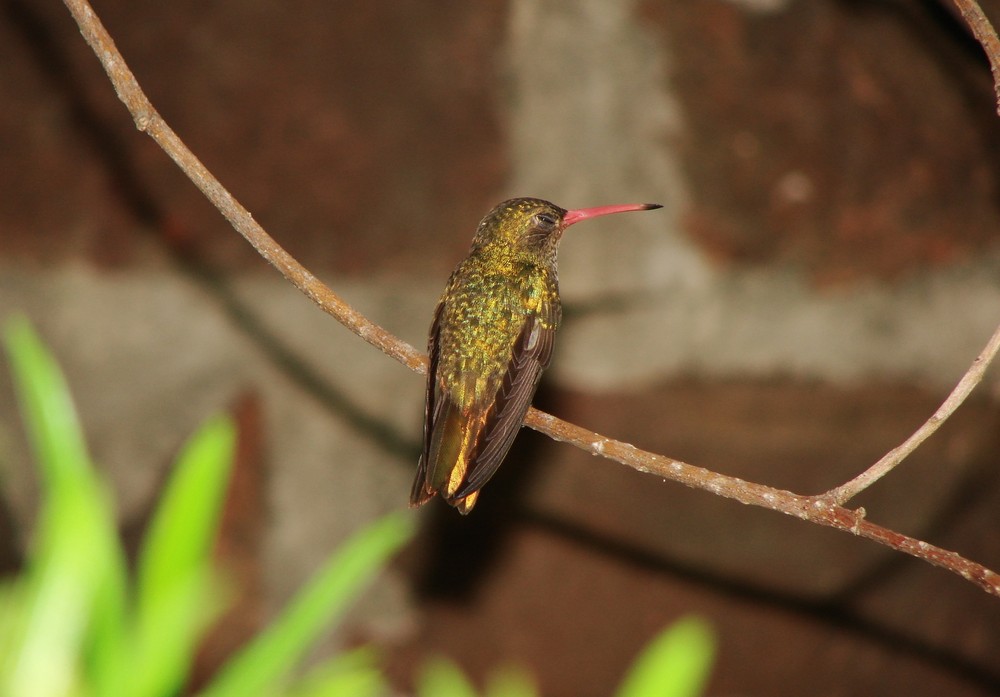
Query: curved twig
[
  {"x": 845, "y": 492},
  {"x": 817, "y": 509},
  {"x": 986, "y": 35},
  {"x": 149, "y": 121}
]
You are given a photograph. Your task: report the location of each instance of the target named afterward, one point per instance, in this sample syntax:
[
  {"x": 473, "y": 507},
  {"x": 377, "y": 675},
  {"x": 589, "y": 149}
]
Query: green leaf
[
  {"x": 182, "y": 533},
  {"x": 267, "y": 661},
  {"x": 511, "y": 681},
  {"x": 675, "y": 664},
  {"x": 66, "y": 614},
  {"x": 47, "y": 408},
  {"x": 351, "y": 674},
  {"x": 177, "y": 596},
  {"x": 440, "y": 677}
]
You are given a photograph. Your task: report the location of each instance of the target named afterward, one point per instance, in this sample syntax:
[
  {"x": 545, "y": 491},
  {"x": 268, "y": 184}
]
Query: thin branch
[
  {"x": 817, "y": 509},
  {"x": 149, "y": 121},
  {"x": 986, "y": 35},
  {"x": 845, "y": 492}
]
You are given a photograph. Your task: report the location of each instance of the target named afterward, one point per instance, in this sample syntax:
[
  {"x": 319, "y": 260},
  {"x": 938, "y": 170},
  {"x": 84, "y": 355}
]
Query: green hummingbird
[{"x": 490, "y": 340}]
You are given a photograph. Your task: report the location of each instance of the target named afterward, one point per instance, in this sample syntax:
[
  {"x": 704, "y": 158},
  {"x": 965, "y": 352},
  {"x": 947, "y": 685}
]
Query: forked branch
[{"x": 824, "y": 510}]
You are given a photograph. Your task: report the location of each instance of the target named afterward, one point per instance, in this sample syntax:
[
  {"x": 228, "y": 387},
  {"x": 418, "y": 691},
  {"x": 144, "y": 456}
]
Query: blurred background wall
[{"x": 825, "y": 268}]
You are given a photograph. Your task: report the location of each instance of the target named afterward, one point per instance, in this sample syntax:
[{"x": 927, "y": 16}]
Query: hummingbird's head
[
  {"x": 535, "y": 226},
  {"x": 528, "y": 224}
]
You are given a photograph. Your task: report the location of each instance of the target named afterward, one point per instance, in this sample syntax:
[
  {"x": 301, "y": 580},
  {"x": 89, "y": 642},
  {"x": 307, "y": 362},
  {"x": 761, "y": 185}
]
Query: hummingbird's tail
[{"x": 443, "y": 465}]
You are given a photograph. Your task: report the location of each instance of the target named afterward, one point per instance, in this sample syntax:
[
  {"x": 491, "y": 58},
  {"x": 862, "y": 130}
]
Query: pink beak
[{"x": 579, "y": 214}]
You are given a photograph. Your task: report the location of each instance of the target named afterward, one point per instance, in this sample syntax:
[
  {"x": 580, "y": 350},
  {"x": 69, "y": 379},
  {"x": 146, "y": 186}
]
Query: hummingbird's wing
[
  {"x": 422, "y": 490},
  {"x": 472, "y": 439},
  {"x": 531, "y": 354}
]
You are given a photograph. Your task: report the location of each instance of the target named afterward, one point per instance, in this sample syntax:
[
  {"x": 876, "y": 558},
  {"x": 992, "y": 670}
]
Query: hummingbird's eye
[{"x": 545, "y": 220}]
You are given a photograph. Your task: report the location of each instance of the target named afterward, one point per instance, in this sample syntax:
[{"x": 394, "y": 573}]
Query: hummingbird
[{"x": 490, "y": 339}]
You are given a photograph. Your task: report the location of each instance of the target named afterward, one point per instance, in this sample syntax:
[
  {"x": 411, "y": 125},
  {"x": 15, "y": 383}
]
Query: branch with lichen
[{"x": 824, "y": 509}]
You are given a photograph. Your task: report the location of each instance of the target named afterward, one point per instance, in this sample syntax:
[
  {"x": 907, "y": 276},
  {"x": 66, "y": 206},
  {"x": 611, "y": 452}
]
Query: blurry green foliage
[
  {"x": 74, "y": 623},
  {"x": 676, "y": 663}
]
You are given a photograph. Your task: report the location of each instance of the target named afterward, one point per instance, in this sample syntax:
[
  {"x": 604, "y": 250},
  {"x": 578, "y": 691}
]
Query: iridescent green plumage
[{"x": 490, "y": 340}]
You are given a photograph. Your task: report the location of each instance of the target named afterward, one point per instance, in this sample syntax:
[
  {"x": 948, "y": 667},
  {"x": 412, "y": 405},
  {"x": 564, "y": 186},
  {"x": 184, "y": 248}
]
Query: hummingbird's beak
[{"x": 579, "y": 214}]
